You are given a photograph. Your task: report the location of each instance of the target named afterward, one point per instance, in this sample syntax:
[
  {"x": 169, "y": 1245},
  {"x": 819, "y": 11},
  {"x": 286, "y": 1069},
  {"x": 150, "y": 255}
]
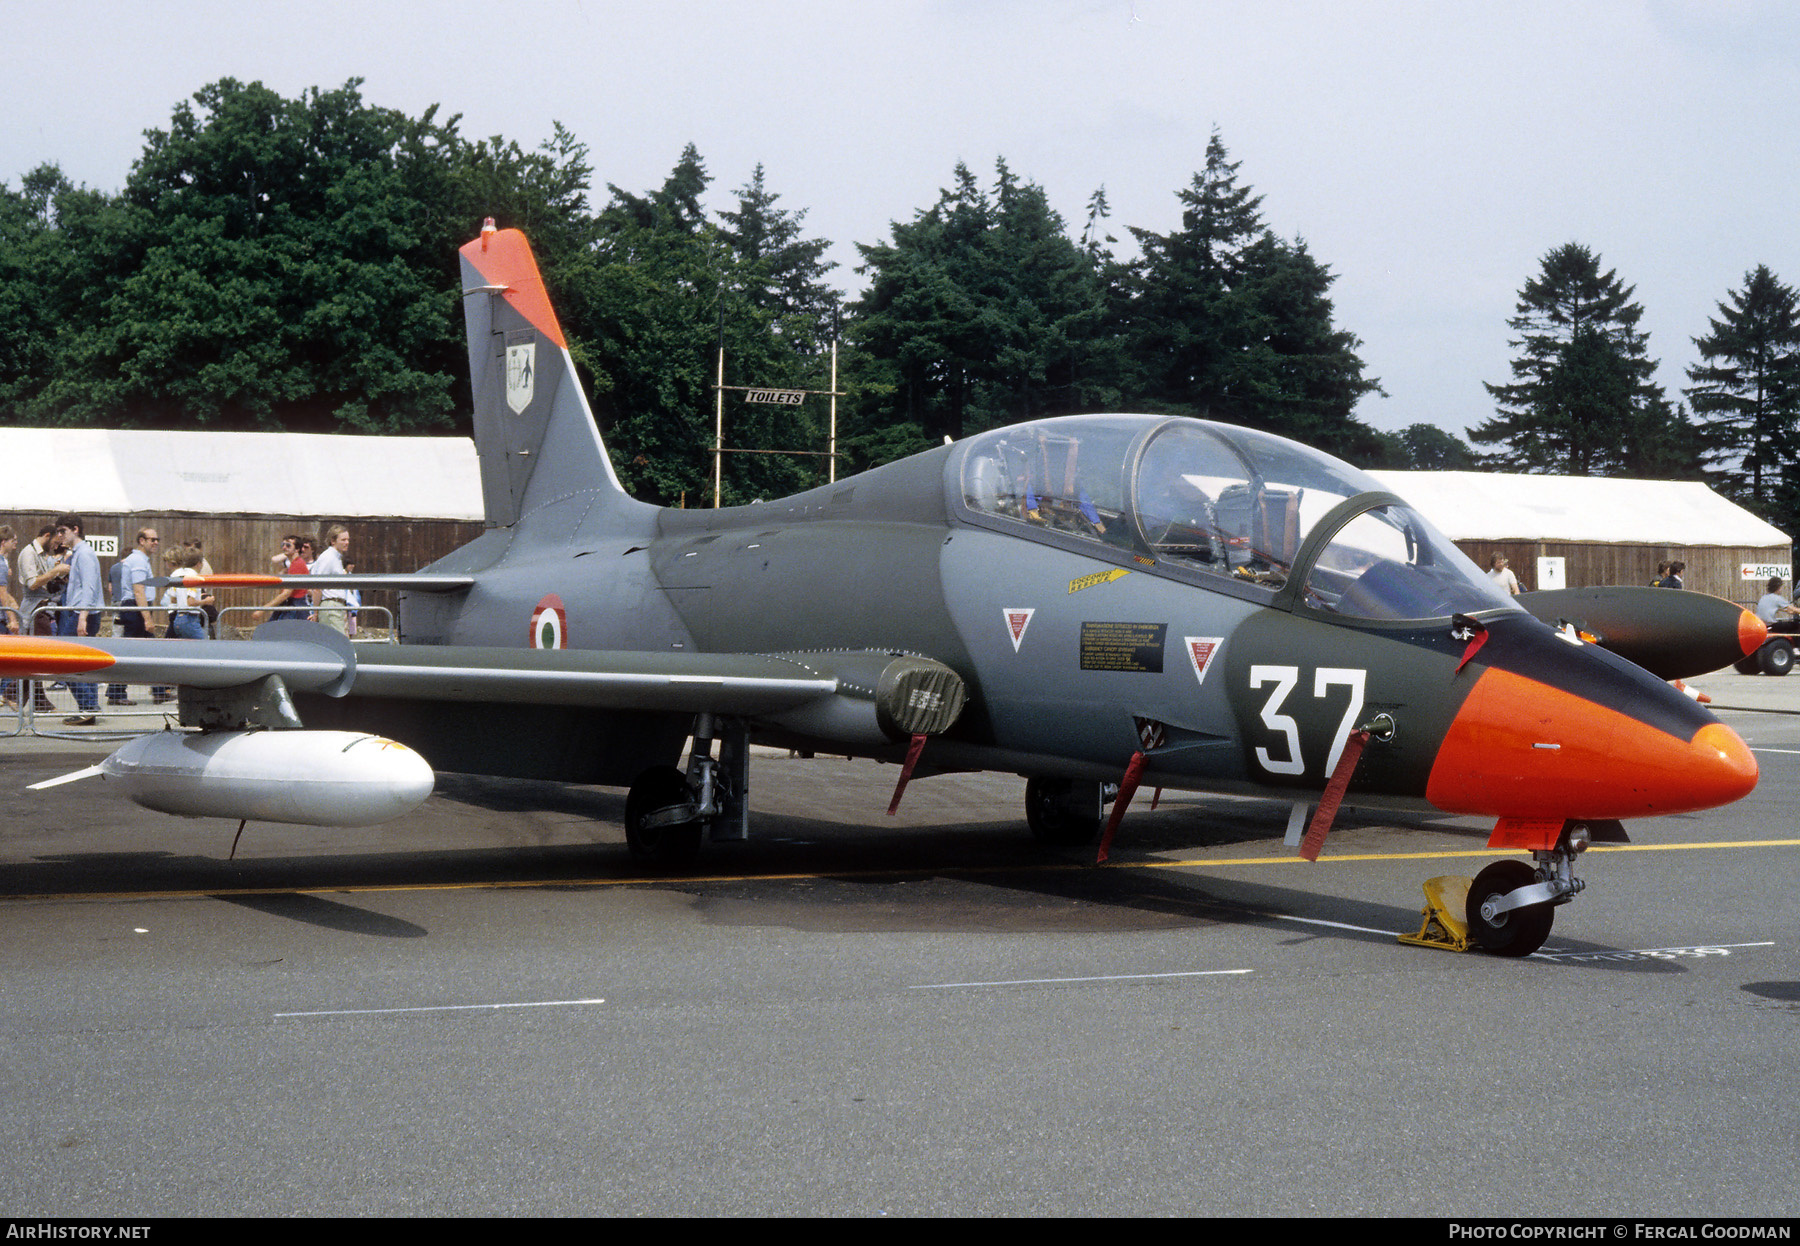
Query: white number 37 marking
[{"x": 1284, "y": 678}]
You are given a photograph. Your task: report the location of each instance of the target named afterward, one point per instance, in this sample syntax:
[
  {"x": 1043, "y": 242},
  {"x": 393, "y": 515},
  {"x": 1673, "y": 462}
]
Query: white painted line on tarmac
[
  {"x": 1111, "y": 977},
  {"x": 1754, "y": 749},
  {"x": 1319, "y": 921},
  {"x": 1651, "y": 953},
  {"x": 369, "y": 1012}
]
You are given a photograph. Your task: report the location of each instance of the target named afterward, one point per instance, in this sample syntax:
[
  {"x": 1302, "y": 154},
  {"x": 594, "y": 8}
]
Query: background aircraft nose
[
  {"x": 1523, "y": 749},
  {"x": 1752, "y": 631}
]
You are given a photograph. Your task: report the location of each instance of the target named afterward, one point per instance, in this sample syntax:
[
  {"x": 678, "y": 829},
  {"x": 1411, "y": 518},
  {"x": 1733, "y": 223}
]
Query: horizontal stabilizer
[{"x": 416, "y": 582}]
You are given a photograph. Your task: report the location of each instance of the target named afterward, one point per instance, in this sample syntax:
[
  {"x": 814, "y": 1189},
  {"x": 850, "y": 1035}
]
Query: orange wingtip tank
[{"x": 40, "y": 655}]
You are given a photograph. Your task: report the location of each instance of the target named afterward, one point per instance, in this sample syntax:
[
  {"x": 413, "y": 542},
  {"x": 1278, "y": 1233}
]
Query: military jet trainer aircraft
[{"x": 1094, "y": 602}]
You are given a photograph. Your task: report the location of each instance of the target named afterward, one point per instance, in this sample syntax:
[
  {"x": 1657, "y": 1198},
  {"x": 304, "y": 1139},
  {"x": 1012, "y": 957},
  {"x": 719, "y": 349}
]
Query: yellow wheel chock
[{"x": 1445, "y": 926}]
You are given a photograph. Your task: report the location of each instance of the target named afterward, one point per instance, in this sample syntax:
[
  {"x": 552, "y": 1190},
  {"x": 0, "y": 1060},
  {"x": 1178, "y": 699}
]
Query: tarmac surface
[{"x": 486, "y": 1009}]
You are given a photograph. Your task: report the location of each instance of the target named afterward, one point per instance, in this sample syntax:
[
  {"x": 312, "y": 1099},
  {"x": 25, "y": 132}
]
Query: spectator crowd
[{"x": 58, "y": 589}]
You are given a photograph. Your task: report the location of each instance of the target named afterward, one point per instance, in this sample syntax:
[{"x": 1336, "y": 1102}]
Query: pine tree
[
  {"x": 1226, "y": 319},
  {"x": 644, "y": 308},
  {"x": 1094, "y": 238},
  {"x": 1581, "y": 390},
  {"x": 783, "y": 272},
  {"x": 1183, "y": 333},
  {"x": 1747, "y": 392}
]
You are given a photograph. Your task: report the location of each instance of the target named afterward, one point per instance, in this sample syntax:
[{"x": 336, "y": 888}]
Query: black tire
[
  {"x": 1776, "y": 657},
  {"x": 1519, "y": 932},
  {"x": 1064, "y": 813},
  {"x": 662, "y": 790},
  {"x": 1751, "y": 665}
]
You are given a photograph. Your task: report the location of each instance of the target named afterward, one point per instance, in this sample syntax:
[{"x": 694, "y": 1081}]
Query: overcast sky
[{"x": 1429, "y": 153}]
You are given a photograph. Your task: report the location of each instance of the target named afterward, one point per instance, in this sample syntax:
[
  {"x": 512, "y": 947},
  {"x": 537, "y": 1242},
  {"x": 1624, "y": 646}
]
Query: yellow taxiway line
[{"x": 954, "y": 870}]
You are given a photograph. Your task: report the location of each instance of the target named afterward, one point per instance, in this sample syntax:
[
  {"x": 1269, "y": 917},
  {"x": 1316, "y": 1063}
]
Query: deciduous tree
[{"x": 271, "y": 263}]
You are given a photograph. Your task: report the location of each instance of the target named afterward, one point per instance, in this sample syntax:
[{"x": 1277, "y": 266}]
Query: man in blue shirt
[
  {"x": 132, "y": 571},
  {"x": 82, "y": 600}
]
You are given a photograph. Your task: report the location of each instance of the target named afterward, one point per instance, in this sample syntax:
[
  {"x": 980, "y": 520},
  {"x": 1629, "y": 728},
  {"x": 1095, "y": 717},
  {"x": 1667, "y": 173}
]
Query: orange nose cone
[
  {"x": 1752, "y": 631},
  {"x": 1719, "y": 759},
  {"x": 1521, "y": 749}
]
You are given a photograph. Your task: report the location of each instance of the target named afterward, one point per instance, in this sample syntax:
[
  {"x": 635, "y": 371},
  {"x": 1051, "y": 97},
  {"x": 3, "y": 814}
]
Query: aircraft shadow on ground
[
  {"x": 163, "y": 873},
  {"x": 868, "y": 877},
  {"x": 329, "y": 915},
  {"x": 874, "y": 889},
  {"x": 603, "y": 805}
]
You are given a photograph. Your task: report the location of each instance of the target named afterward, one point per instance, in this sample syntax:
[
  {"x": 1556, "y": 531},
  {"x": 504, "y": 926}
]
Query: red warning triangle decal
[
  {"x": 1018, "y": 618},
  {"x": 1200, "y": 651}
]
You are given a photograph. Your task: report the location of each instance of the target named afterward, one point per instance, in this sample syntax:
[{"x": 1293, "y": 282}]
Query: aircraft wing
[
  {"x": 849, "y": 695},
  {"x": 306, "y": 662},
  {"x": 720, "y": 683}
]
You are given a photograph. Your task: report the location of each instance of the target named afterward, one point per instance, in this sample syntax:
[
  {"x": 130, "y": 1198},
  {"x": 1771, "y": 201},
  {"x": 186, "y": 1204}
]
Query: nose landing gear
[
  {"x": 1500, "y": 920},
  {"x": 1509, "y": 906}
]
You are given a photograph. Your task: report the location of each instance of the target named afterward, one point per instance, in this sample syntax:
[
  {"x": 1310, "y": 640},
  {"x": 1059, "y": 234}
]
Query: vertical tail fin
[{"x": 534, "y": 435}]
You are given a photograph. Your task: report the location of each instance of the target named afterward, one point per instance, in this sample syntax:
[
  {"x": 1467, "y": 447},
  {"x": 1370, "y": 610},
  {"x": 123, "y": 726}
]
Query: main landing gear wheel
[
  {"x": 1064, "y": 813},
  {"x": 662, "y": 824},
  {"x": 1518, "y": 932}
]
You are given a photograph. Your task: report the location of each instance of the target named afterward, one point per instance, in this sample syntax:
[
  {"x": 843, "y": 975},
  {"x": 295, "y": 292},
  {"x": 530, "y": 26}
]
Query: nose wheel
[
  {"x": 1516, "y": 931},
  {"x": 1511, "y": 904},
  {"x": 1508, "y": 908}
]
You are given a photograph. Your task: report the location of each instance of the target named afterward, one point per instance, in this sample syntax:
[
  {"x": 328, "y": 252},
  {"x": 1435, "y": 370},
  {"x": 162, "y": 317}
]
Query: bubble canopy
[{"x": 1228, "y": 507}]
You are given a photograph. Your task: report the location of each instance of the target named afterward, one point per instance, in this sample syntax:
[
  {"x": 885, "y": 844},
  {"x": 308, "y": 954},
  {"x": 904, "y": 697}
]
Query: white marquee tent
[
  {"x": 95, "y": 471},
  {"x": 1492, "y": 506}
]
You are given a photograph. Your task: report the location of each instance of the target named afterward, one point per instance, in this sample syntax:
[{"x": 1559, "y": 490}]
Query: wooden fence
[
  {"x": 242, "y": 543},
  {"x": 1715, "y": 569}
]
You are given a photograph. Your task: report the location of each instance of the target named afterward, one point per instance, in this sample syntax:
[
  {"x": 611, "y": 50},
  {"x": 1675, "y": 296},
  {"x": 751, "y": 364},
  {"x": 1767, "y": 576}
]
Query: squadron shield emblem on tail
[{"x": 521, "y": 371}]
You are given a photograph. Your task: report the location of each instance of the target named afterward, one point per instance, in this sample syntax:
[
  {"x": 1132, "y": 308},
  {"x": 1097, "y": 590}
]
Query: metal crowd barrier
[
  {"x": 118, "y": 711},
  {"x": 369, "y": 625},
  {"x": 16, "y": 692}
]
